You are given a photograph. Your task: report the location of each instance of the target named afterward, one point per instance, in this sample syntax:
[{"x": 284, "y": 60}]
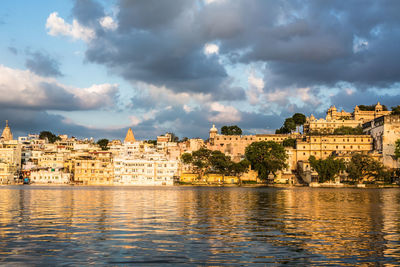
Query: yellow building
[
  {"x": 235, "y": 145},
  {"x": 95, "y": 169},
  {"x": 323, "y": 146}
]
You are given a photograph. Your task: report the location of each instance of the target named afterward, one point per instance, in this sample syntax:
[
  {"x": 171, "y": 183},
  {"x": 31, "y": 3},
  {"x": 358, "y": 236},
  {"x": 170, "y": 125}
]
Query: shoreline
[{"x": 338, "y": 186}]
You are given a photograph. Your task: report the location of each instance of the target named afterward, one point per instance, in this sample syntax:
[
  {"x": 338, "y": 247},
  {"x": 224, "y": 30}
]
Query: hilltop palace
[{"x": 134, "y": 162}]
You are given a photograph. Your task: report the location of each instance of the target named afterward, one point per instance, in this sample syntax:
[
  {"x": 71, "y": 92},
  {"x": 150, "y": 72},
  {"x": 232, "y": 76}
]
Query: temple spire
[
  {"x": 129, "y": 138},
  {"x": 7, "y": 135}
]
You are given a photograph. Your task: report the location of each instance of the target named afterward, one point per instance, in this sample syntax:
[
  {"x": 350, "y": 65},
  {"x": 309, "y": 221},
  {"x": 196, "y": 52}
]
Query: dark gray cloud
[
  {"x": 87, "y": 12},
  {"x": 302, "y": 44},
  {"x": 43, "y": 64},
  {"x": 150, "y": 14},
  {"x": 23, "y": 122},
  {"x": 346, "y": 101}
]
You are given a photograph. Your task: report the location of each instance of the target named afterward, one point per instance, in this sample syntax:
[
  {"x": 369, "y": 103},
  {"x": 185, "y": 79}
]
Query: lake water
[{"x": 48, "y": 225}]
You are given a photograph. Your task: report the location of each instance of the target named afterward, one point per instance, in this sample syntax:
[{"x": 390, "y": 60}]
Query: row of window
[{"x": 251, "y": 138}]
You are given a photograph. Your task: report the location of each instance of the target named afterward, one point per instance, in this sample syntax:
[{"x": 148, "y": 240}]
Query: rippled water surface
[{"x": 43, "y": 225}]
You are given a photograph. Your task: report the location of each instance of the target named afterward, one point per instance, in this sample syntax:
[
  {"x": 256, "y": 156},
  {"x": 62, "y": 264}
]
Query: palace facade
[{"x": 335, "y": 119}]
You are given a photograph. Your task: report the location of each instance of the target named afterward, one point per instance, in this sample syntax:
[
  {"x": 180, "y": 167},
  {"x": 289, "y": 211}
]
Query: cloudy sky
[{"x": 93, "y": 68}]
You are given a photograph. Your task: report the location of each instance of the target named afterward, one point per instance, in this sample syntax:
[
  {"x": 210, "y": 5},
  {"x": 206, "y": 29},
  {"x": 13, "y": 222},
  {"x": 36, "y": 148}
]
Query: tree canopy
[
  {"x": 103, "y": 144},
  {"x": 344, "y": 130},
  {"x": 231, "y": 130},
  {"x": 327, "y": 168},
  {"x": 289, "y": 142},
  {"x": 299, "y": 119},
  {"x": 51, "y": 138},
  {"x": 266, "y": 157},
  {"x": 363, "y": 167},
  {"x": 207, "y": 161},
  {"x": 371, "y": 107},
  {"x": 290, "y": 124},
  {"x": 396, "y": 110}
]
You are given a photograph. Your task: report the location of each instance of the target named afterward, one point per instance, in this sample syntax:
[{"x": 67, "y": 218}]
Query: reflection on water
[{"x": 213, "y": 226}]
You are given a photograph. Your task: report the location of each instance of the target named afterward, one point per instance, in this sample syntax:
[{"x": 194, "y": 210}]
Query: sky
[{"x": 94, "y": 68}]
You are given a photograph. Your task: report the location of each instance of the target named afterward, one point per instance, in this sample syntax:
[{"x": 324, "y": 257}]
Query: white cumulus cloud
[
  {"x": 224, "y": 114},
  {"x": 108, "y": 23},
  {"x": 210, "y": 49},
  {"x": 256, "y": 86},
  {"x": 58, "y": 26},
  {"x": 24, "y": 89}
]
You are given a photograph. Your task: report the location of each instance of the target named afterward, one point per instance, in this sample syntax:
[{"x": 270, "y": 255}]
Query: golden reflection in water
[
  {"x": 342, "y": 225},
  {"x": 339, "y": 223}
]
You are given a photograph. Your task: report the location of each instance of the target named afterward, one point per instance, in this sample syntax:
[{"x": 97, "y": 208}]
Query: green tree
[
  {"x": 396, "y": 110},
  {"x": 201, "y": 161},
  {"x": 152, "y": 142},
  {"x": 327, "y": 168},
  {"x": 289, "y": 124},
  {"x": 266, "y": 157},
  {"x": 187, "y": 158},
  {"x": 344, "y": 130},
  {"x": 299, "y": 120},
  {"x": 371, "y": 107},
  {"x": 289, "y": 142},
  {"x": 363, "y": 167},
  {"x": 219, "y": 163},
  {"x": 231, "y": 130},
  {"x": 397, "y": 149},
  {"x": 51, "y": 138},
  {"x": 103, "y": 143},
  {"x": 239, "y": 168}
]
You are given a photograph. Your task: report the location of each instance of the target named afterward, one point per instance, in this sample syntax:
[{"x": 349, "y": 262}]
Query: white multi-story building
[
  {"x": 145, "y": 172},
  {"x": 139, "y": 163},
  {"x": 49, "y": 177}
]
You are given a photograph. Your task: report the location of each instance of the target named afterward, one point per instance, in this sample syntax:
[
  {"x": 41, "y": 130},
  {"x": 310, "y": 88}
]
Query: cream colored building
[
  {"x": 52, "y": 160},
  {"x": 139, "y": 163},
  {"x": 145, "y": 172},
  {"x": 385, "y": 130},
  {"x": 335, "y": 119},
  {"x": 10, "y": 157},
  {"x": 235, "y": 145},
  {"x": 49, "y": 177}
]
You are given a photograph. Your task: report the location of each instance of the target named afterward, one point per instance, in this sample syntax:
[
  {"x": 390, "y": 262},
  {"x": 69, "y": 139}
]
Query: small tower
[
  {"x": 213, "y": 133},
  {"x": 356, "y": 113},
  {"x": 7, "y": 135},
  {"x": 378, "y": 107},
  {"x": 129, "y": 138},
  {"x": 331, "y": 113}
]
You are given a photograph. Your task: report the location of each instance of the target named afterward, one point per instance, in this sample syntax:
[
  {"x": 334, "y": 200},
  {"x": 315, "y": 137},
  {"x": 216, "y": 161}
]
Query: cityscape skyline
[{"x": 95, "y": 68}]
